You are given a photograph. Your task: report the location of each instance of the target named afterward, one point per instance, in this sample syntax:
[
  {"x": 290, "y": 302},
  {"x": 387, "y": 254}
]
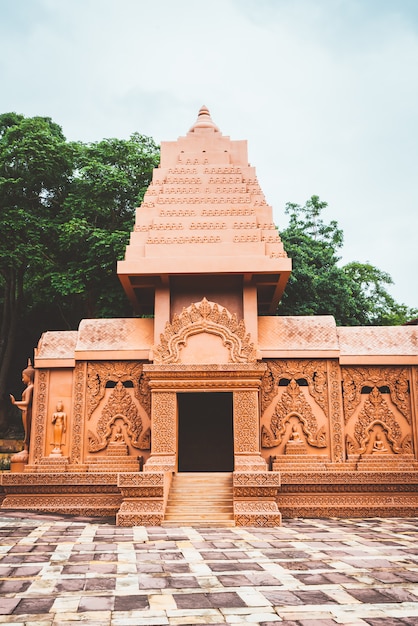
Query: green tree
[
  {"x": 111, "y": 177},
  {"x": 355, "y": 294},
  {"x": 67, "y": 210},
  {"x": 35, "y": 166}
]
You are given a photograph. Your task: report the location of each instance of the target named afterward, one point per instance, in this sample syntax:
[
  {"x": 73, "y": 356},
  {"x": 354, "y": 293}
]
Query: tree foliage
[
  {"x": 111, "y": 177},
  {"x": 355, "y": 294},
  {"x": 67, "y": 210},
  {"x": 35, "y": 168}
]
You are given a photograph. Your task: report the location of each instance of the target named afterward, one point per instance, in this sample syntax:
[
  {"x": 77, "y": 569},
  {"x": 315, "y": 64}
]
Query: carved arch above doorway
[{"x": 210, "y": 319}]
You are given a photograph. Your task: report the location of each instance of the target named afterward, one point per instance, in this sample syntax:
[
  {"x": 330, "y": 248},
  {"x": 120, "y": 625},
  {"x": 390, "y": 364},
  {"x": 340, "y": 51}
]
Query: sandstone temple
[{"x": 207, "y": 407}]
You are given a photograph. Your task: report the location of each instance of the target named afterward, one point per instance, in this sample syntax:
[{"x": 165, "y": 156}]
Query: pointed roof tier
[{"x": 204, "y": 213}]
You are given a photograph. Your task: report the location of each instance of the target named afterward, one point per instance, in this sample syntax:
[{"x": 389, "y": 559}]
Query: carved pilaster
[
  {"x": 336, "y": 413},
  {"x": 39, "y": 417},
  {"x": 77, "y": 425},
  {"x": 246, "y": 431},
  {"x": 164, "y": 432}
]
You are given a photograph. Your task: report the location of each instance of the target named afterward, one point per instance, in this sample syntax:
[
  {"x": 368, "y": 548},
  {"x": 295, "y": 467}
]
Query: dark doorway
[{"x": 205, "y": 433}]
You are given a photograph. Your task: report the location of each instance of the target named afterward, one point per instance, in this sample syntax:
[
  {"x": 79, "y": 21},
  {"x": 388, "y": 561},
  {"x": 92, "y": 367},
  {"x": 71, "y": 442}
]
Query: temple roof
[
  {"x": 279, "y": 337},
  {"x": 387, "y": 341},
  {"x": 204, "y": 213},
  {"x": 298, "y": 336}
]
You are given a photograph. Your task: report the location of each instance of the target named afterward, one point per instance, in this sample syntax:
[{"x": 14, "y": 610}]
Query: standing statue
[
  {"x": 59, "y": 422},
  {"x": 25, "y": 405}
]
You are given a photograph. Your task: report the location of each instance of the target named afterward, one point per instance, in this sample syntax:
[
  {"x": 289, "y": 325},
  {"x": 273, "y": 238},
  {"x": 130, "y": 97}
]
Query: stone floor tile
[
  {"x": 194, "y": 616},
  {"x": 34, "y": 606},
  {"x": 182, "y": 582},
  {"x": 180, "y": 568},
  {"x": 7, "y": 605},
  {"x": 234, "y": 580},
  {"x": 70, "y": 584},
  {"x": 100, "y": 584},
  {"x": 136, "y": 620},
  {"x": 152, "y": 582},
  {"x": 317, "y": 622},
  {"x": 131, "y": 603},
  {"x": 66, "y": 604},
  {"x": 372, "y": 596},
  {"x": 162, "y": 602},
  {"x": 385, "y": 621},
  {"x": 95, "y": 618},
  {"x": 96, "y": 603},
  {"x": 313, "y": 597},
  {"x": 14, "y": 586},
  {"x": 127, "y": 584},
  {"x": 281, "y": 598},
  {"x": 312, "y": 579},
  {"x": 152, "y": 568},
  {"x": 282, "y": 623},
  {"x": 252, "y": 597},
  {"x": 401, "y": 595},
  {"x": 97, "y": 568},
  {"x": 192, "y": 601},
  {"x": 75, "y": 569}
]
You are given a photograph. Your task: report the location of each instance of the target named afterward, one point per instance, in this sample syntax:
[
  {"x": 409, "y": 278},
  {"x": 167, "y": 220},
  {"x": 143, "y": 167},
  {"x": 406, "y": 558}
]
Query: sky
[{"x": 325, "y": 92}]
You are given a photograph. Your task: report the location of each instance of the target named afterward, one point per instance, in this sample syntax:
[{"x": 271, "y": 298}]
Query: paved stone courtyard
[{"x": 60, "y": 570}]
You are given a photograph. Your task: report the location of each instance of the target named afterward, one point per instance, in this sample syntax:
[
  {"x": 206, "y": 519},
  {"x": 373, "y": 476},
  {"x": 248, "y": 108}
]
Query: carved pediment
[{"x": 205, "y": 333}]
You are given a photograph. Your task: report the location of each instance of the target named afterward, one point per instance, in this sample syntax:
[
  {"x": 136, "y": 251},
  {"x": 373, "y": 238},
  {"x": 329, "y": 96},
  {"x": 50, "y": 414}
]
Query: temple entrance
[{"x": 205, "y": 432}]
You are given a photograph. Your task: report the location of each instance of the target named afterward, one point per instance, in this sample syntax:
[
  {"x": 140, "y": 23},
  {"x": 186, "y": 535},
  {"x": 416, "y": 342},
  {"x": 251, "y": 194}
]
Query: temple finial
[{"x": 204, "y": 120}]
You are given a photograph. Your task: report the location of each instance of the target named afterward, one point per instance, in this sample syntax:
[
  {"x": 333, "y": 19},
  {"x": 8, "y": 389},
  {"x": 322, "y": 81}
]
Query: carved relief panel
[
  {"x": 52, "y": 413},
  {"x": 377, "y": 410},
  {"x": 295, "y": 408},
  {"x": 118, "y": 403}
]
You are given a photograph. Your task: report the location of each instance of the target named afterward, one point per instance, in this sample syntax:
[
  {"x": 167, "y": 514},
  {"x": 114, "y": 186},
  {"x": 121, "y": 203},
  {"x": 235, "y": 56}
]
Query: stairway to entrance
[{"x": 200, "y": 499}]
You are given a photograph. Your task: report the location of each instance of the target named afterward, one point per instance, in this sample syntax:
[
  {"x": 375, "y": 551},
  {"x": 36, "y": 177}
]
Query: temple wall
[
  {"x": 225, "y": 290},
  {"x": 317, "y": 410},
  {"x": 311, "y": 410},
  {"x": 106, "y": 407}
]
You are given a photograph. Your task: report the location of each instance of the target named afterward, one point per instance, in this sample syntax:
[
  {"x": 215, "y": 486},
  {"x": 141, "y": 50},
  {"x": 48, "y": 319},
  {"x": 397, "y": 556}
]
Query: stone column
[
  {"x": 163, "y": 432},
  {"x": 247, "y": 432}
]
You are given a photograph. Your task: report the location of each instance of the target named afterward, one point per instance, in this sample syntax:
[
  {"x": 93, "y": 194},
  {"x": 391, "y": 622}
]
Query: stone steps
[{"x": 200, "y": 498}]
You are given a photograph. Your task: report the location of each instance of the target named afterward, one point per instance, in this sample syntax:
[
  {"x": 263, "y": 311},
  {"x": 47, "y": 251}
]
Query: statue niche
[
  {"x": 294, "y": 421},
  {"x": 119, "y": 407},
  {"x": 376, "y": 430}
]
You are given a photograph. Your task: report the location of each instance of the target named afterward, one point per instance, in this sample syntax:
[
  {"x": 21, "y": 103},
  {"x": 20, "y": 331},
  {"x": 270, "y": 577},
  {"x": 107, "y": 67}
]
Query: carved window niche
[
  {"x": 118, "y": 403},
  {"x": 377, "y": 412},
  {"x": 296, "y": 426}
]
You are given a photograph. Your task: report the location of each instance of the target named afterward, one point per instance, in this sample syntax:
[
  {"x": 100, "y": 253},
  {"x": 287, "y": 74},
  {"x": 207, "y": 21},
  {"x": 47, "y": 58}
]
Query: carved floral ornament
[
  {"x": 205, "y": 317},
  {"x": 293, "y": 404},
  {"x": 100, "y": 373},
  {"x": 396, "y": 378},
  {"x": 313, "y": 371}
]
